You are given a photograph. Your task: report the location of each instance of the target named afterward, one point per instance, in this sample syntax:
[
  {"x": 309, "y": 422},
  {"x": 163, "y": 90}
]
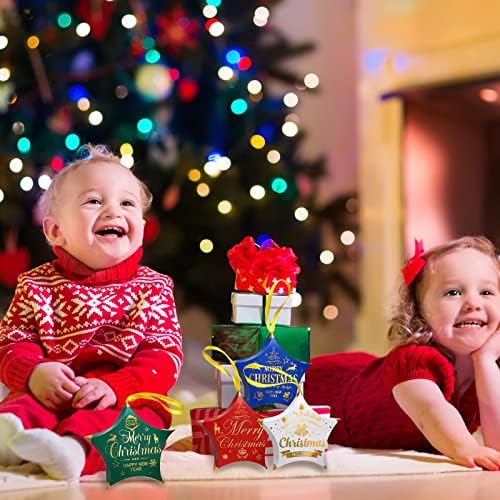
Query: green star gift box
[{"x": 132, "y": 447}]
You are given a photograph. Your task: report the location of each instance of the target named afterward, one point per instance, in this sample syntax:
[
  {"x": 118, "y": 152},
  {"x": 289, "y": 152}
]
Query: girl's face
[
  {"x": 460, "y": 300},
  {"x": 98, "y": 216}
]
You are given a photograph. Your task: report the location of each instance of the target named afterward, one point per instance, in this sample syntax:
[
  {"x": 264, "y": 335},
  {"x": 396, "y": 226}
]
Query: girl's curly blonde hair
[
  {"x": 87, "y": 154},
  {"x": 407, "y": 325}
]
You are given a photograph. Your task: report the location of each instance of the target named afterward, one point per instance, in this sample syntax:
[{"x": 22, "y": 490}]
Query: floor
[{"x": 456, "y": 486}]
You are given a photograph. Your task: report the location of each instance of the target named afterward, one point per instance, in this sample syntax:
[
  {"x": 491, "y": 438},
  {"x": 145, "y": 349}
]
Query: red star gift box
[{"x": 237, "y": 435}]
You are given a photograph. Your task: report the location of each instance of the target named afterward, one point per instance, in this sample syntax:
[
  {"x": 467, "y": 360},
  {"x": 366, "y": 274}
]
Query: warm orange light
[
  {"x": 488, "y": 95},
  {"x": 33, "y": 42}
]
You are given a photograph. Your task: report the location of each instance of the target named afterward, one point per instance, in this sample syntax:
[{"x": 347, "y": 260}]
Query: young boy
[{"x": 88, "y": 329}]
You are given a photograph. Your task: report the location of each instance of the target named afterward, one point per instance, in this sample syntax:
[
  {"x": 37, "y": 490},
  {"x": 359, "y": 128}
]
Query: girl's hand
[
  {"x": 53, "y": 384},
  {"x": 490, "y": 350},
  {"x": 479, "y": 456},
  {"x": 94, "y": 390}
]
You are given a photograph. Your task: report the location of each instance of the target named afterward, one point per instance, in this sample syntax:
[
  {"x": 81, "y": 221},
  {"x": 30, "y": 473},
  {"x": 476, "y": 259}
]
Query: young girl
[
  {"x": 88, "y": 329},
  {"x": 441, "y": 381}
]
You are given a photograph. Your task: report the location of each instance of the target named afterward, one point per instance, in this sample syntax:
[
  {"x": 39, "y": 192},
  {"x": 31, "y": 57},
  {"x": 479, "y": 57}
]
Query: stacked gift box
[
  {"x": 240, "y": 341},
  {"x": 256, "y": 268}
]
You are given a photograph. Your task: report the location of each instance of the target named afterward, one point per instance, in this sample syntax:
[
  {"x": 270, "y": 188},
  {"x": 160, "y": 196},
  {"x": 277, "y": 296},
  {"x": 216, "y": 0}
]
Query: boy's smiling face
[{"x": 98, "y": 215}]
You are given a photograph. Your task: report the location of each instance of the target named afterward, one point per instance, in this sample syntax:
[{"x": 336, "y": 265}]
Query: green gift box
[{"x": 243, "y": 341}]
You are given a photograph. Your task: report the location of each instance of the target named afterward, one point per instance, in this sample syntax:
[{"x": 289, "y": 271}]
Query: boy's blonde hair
[
  {"x": 88, "y": 154},
  {"x": 408, "y": 326}
]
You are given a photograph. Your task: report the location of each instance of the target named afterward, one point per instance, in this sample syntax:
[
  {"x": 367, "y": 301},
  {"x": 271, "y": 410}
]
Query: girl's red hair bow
[{"x": 416, "y": 263}]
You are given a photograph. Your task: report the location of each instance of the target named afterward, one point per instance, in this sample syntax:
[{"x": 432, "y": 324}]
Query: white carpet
[
  {"x": 341, "y": 461},
  {"x": 190, "y": 466}
]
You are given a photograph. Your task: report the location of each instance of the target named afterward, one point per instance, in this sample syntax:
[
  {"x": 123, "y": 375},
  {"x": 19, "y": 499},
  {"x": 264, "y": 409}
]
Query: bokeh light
[
  {"x": 26, "y": 183},
  {"x": 24, "y": 145},
  {"x": 239, "y": 106},
  {"x": 202, "y": 189},
  {"x": 64, "y": 20},
  {"x": 16, "y": 165},
  {"x": 347, "y": 237},
  {"x": 257, "y": 192},
  {"x": 145, "y": 125},
  {"x": 82, "y": 30},
  {"x": 326, "y": 257},
  {"x": 83, "y": 104},
  {"x": 291, "y": 99},
  {"x": 224, "y": 207},
  {"x": 194, "y": 175},
  {"x": 311, "y": 80},
  {"x": 95, "y": 118},
  {"x": 72, "y": 141},
  {"x": 127, "y": 161},
  {"x": 301, "y": 214},
  {"x": 330, "y": 312},
  {"x": 216, "y": 29},
  {"x": 209, "y": 11},
  {"x": 257, "y": 141},
  {"x": 233, "y": 56},
  {"x": 129, "y": 21},
  {"x": 254, "y": 87},
  {"x": 4, "y": 74},
  {"x": 273, "y": 156},
  {"x": 225, "y": 73},
  {"x": 279, "y": 185},
  {"x": 44, "y": 181},
  {"x": 18, "y": 128},
  {"x": 57, "y": 163},
  {"x": 126, "y": 149},
  {"x": 206, "y": 246},
  {"x": 290, "y": 129},
  {"x": 32, "y": 42},
  {"x": 152, "y": 56}
]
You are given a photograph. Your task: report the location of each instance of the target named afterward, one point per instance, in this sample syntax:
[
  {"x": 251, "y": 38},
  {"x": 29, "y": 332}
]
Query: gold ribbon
[
  {"x": 271, "y": 326},
  {"x": 170, "y": 405},
  {"x": 235, "y": 376}
]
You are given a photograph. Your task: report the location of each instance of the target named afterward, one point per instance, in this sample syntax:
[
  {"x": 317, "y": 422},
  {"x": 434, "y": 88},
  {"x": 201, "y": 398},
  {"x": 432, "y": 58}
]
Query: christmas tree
[{"x": 181, "y": 90}]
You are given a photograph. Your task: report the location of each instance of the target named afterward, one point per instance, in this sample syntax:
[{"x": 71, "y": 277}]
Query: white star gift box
[{"x": 299, "y": 434}]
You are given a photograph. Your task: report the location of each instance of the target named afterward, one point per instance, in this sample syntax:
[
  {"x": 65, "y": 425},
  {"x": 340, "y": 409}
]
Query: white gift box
[
  {"x": 249, "y": 308},
  {"x": 225, "y": 387},
  {"x": 285, "y": 314}
]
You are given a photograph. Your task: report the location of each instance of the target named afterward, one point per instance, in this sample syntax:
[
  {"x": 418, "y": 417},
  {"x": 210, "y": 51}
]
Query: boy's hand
[
  {"x": 53, "y": 384},
  {"x": 94, "y": 390}
]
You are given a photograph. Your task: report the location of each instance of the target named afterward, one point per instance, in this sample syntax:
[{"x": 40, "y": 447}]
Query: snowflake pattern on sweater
[{"x": 110, "y": 322}]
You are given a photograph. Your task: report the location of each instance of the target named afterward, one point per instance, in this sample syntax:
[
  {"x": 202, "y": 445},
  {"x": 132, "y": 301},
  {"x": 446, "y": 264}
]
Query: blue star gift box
[{"x": 271, "y": 376}]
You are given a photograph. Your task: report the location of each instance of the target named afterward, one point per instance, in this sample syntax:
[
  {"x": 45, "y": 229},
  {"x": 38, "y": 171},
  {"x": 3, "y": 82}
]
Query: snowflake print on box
[
  {"x": 237, "y": 434},
  {"x": 262, "y": 381},
  {"x": 299, "y": 434}
]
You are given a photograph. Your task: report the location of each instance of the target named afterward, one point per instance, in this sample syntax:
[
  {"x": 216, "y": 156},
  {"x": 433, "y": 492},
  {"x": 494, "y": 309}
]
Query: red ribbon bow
[
  {"x": 258, "y": 267},
  {"x": 416, "y": 263}
]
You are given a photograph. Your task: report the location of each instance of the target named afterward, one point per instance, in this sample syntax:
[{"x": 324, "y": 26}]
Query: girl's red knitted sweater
[
  {"x": 117, "y": 324},
  {"x": 358, "y": 388}
]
